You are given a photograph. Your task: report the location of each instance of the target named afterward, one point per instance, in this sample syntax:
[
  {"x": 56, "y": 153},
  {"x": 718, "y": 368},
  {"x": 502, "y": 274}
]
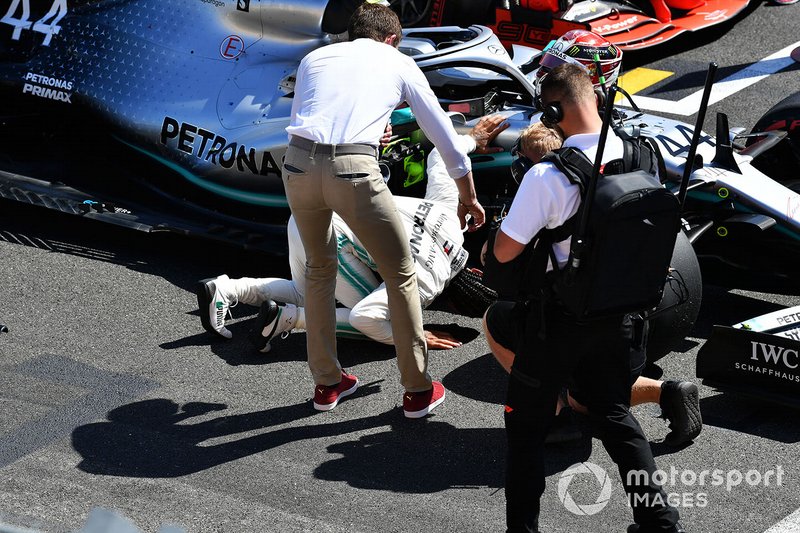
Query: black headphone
[
  {"x": 601, "y": 98},
  {"x": 552, "y": 113}
]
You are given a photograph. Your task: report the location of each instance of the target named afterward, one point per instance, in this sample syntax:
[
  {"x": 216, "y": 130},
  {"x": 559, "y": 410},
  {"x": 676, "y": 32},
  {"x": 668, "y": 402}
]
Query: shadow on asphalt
[
  {"x": 239, "y": 350},
  {"x": 145, "y": 439},
  {"x": 148, "y": 439},
  {"x": 179, "y": 259},
  {"x": 723, "y": 307},
  {"x": 151, "y": 439},
  {"x": 751, "y": 416},
  {"x": 403, "y": 459},
  {"x": 481, "y": 379},
  {"x": 462, "y": 333}
]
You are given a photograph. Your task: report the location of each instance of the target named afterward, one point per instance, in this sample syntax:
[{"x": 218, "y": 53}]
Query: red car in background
[{"x": 628, "y": 25}]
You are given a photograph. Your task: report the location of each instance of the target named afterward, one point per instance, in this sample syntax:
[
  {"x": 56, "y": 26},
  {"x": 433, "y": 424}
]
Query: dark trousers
[{"x": 595, "y": 358}]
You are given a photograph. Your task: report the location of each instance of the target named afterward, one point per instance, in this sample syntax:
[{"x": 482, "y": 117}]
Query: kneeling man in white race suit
[{"x": 436, "y": 240}]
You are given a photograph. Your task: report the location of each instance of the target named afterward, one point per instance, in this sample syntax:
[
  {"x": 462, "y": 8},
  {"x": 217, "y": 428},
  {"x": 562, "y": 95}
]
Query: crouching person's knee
[{"x": 376, "y": 328}]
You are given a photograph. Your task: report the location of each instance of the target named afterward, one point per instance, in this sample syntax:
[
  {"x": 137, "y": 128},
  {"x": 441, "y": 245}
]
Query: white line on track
[
  {"x": 790, "y": 524},
  {"x": 737, "y": 81}
]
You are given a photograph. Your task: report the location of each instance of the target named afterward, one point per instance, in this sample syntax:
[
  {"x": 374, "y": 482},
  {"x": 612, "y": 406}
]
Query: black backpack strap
[
  {"x": 534, "y": 278},
  {"x": 536, "y": 283},
  {"x": 630, "y": 158},
  {"x": 659, "y": 165},
  {"x": 537, "y": 290},
  {"x": 507, "y": 279},
  {"x": 631, "y": 155},
  {"x": 573, "y": 164},
  {"x": 578, "y": 169},
  {"x": 565, "y": 230},
  {"x": 641, "y": 153}
]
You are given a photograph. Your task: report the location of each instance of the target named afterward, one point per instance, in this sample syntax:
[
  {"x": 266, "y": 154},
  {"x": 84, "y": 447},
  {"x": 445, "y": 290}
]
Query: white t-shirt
[
  {"x": 346, "y": 92},
  {"x": 547, "y": 199}
]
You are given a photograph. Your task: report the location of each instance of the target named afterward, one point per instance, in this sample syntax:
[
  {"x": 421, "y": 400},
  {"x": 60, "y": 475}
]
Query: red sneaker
[
  {"x": 326, "y": 398},
  {"x": 419, "y": 404}
]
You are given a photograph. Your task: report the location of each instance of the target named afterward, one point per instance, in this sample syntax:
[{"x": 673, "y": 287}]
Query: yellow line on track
[{"x": 640, "y": 79}]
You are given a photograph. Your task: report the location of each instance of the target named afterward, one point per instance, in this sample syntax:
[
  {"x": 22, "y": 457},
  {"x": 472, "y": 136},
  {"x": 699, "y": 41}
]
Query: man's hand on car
[{"x": 486, "y": 131}]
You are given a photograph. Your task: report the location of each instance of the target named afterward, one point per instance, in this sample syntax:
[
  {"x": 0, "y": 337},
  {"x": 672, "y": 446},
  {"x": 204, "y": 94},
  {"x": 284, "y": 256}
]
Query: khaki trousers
[{"x": 318, "y": 184}]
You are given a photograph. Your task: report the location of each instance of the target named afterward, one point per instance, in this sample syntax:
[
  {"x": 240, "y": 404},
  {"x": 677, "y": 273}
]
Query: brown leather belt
[{"x": 333, "y": 149}]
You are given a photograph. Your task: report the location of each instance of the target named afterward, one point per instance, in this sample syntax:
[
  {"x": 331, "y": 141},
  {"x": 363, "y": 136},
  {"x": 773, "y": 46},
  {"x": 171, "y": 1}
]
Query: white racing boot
[{"x": 213, "y": 298}]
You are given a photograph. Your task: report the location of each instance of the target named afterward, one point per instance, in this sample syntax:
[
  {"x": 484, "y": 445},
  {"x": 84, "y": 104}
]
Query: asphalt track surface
[{"x": 111, "y": 394}]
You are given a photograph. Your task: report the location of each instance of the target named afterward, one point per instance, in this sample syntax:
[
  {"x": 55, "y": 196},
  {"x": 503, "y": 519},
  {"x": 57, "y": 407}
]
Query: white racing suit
[{"x": 436, "y": 242}]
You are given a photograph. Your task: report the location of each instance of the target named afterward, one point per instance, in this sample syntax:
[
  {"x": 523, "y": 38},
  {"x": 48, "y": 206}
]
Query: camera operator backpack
[{"x": 623, "y": 235}]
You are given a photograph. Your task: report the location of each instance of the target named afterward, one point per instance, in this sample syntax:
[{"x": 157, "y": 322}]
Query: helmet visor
[
  {"x": 608, "y": 67},
  {"x": 553, "y": 58}
]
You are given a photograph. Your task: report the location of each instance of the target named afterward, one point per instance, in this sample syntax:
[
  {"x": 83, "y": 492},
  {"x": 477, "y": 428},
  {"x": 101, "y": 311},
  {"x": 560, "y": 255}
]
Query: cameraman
[
  {"x": 553, "y": 348},
  {"x": 678, "y": 399}
]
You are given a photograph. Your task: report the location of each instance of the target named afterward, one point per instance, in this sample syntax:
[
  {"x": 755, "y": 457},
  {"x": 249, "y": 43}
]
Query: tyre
[
  {"x": 781, "y": 162},
  {"x": 680, "y": 305}
]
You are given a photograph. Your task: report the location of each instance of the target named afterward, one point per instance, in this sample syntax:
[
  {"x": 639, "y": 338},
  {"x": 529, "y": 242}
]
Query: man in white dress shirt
[{"x": 344, "y": 96}]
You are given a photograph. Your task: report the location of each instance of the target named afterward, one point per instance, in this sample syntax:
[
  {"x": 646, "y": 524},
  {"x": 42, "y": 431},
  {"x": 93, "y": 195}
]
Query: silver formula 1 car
[{"x": 170, "y": 116}]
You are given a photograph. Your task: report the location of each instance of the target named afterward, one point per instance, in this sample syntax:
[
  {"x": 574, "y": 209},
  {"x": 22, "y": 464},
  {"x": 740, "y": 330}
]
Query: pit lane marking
[
  {"x": 734, "y": 83},
  {"x": 640, "y": 79},
  {"x": 790, "y": 524}
]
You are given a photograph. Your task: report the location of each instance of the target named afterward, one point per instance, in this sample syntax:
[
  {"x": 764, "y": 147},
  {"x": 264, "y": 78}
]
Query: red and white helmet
[{"x": 586, "y": 49}]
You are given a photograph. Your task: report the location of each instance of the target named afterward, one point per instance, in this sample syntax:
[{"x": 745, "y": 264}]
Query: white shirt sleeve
[
  {"x": 434, "y": 121},
  {"x": 440, "y": 187},
  {"x": 297, "y": 102}
]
